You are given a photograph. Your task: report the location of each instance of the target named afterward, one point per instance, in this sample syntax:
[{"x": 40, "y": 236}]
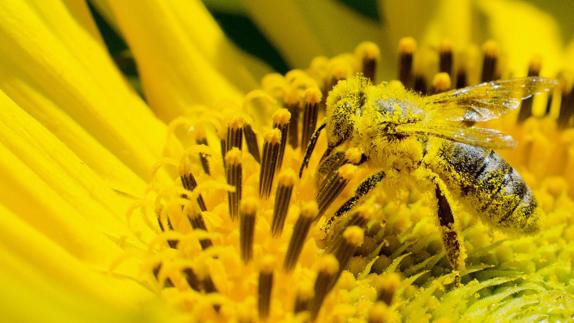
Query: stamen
[
  {"x": 369, "y": 54},
  {"x": 309, "y": 212},
  {"x": 201, "y": 139},
  {"x": 333, "y": 186},
  {"x": 387, "y": 287},
  {"x": 192, "y": 279},
  {"x": 293, "y": 106},
  {"x": 155, "y": 271},
  {"x": 328, "y": 269},
  {"x": 233, "y": 174},
  {"x": 420, "y": 84},
  {"x": 381, "y": 313},
  {"x": 170, "y": 242},
  {"x": 490, "y": 52},
  {"x": 461, "y": 78},
  {"x": 189, "y": 183},
  {"x": 339, "y": 70},
  {"x": 247, "y": 229},
  {"x": 234, "y": 133},
  {"x": 312, "y": 98},
  {"x": 195, "y": 218},
  {"x": 440, "y": 83},
  {"x": 407, "y": 47},
  {"x": 281, "y": 120},
  {"x": 265, "y": 287},
  {"x": 251, "y": 140},
  {"x": 361, "y": 216},
  {"x": 353, "y": 238},
  {"x": 286, "y": 181},
  {"x": 566, "y": 108},
  {"x": 526, "y": 106},
  {"x": 445, "y": 57},
  {"x": 303, "y": 298},
  {"x": 271, "y": 148}
]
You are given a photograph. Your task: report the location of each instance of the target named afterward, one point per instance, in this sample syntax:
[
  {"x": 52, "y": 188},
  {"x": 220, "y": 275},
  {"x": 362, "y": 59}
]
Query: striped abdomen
[{"x": 487, "y": 184}]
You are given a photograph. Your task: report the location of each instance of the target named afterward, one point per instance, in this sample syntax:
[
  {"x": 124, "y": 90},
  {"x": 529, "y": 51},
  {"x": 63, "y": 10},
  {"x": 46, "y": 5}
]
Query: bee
[{"x": 399, "y": 130}]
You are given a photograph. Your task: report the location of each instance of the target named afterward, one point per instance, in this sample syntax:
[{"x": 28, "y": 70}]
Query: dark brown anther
[
  {"x": 233, "y": 174},
  {"x": 195, "y": 218},
  {"x": 309, "y": 212},
  {"x": 461, "y": 78},
  {"x": 303, "y": 298},
  {"x": 368, "y": 53},
  {"x": 251, "y": 141},
  {"x": 265, "y": 287},
  {"x": 286, "y": 182},
  {"x": 192, "y": 279},
  {"x": 566, "y": 108},
  {"x": 155, "y": 271},
  {"x": 201, "y": 139},
  {"x": 333, "y": 186},
  {"x": 311, "y": 100},
  {"x": 170, "y": 242},
  {"x": 526, "y": 105},
  {"x": 353, "y": 237},
  {"x": 420, "y": 84},
  {"x": 234, "y": 133},
  {"x": 387, "y": 286},
  {"x": 407, "y": 48},
  {"x": 326, "y": 279},
  {"x": 445, "y": 58},
  {"x": 440, "y": 83},
  {"x": 549, "y": 104},
  {"x": 247, "y": 229},
  {"x": 281, "y": 119},
  {"x": 189, "y": 183},
  {"x": 490, "y": 52},
  {"x": 293, "y": 105},
  {"x": 271, "y": 148}
]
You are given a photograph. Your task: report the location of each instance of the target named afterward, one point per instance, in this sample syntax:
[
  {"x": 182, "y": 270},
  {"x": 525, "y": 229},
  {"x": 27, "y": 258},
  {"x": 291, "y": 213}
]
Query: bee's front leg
[{"x": 450, "y": 238}]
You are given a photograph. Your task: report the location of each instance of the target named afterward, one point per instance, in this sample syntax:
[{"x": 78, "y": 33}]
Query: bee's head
[{"x": 344, "y": 104}]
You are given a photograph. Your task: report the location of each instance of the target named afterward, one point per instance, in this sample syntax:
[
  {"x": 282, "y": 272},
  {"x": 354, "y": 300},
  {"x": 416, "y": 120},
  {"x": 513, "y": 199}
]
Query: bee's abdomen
[{"x": 488, "y": 185}]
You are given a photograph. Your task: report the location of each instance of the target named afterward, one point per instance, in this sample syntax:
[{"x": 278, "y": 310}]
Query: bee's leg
[
  {"x": 450, "y": 238},
  {"x": 363, "y": 189},
  {"x": 310, "y": 148}
]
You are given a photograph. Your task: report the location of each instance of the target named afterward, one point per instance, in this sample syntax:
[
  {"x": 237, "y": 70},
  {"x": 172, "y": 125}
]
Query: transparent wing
[
  {"x": 455, "y": 131},
  {"x": 485, "y": 101}
]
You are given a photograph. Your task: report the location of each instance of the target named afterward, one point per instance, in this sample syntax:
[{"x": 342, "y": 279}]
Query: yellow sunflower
[{"x": 190, "y": 205}]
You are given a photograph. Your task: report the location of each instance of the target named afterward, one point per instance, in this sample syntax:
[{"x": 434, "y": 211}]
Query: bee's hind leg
[{"x": 450, "y": 239}]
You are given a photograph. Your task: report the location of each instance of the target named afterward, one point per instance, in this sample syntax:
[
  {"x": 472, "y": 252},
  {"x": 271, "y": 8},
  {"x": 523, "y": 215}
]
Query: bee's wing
[
  {"x": 485, "y": 101},
  {"x": 457, "y": 131}
]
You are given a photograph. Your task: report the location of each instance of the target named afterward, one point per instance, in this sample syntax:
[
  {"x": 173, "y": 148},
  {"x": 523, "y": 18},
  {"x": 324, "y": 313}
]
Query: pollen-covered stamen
[
  {"x": 265, "y": 287},
  {"x": 271, "y": 150},
  {"x": 197, "y": 222},
  {"x": 333, "y": 186},
  {"x": 489, "y": 61},
  {"x": 566, "y": 108},
  {"x": 201, "y": 139},
  {"x": 251, "y": 141},
  {"x": 407, "y": 48},
  {"x": 387, "y": 286},
  {"x": 293, "y": 105},
  {"x": 285, "y": 184},
  {"x": 234, "y": 136},
  {"x": 380, "y": 313},
  {"x": 441, "y": 83},
  {"x": 281, "y": 119},
  {"x": 461, "y": 78},
  {"x": 335, "y": 160},
  {"x": 311, "y": 100},
  {"x": 303, "y": 298},
  {"x": 526, "y": 105},
  {"x": 326, "y": 279},
  {"x": 445, "y": 57},
  {"x": 233, "y": 174},
  {"x": 309, "y": 212},
  {"x": 420, "y": 84},
  {"x": 361, "y": 216},
  {"x": 247, "y": 229},
  {"x": 368, "y": 53},
  {"x": 189, "y": 183},
  {"x": 353, "y": 237}
]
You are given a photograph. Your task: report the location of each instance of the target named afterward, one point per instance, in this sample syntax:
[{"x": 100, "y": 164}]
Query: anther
[
  {"x": 387, "y": 287},
  {"x": 293, "y": 106},
  {"x": 369, "y": 54},
  {"x": 526, "y": 105},
  {"x": 566, "y": 108},
  {"x": 338, "y": 70},
  {"x": 326, "y": 278},
  {"x": 420, "y": 84},
  {"x": 461, "y": 78},
  {"x": 361, "y": 216},
  {"x": 333, "y": 186},
  {"x": 490, "y": 52},
  {"x": 247, "y": 229},
  {"x": 380, "y": 313},
  {"x": 195, "y": 218},
  {"x": 311, "y": 100},
  {"x": 201, "y": 139},
  {"x": 189, "y": 183},
  {"x": 281, "y": 119},
  {"x": 234, "y": 133},
  {"x": 303, "y": 298},
  {"x": 233, "y": 174},
  {"x": 192, "y": 279},
  {"x": 441, "y": 83},
  {"x": 156, "y": 270},
  {"x": 353, "y": 237},
  {"x": 251, "y": 140},
  {"x": 265, "y": 287},
  {"x": 309, "y": 212},
  {"x": 407, "y": 48},
  {"x": 170, "y": 242},
  {"x": 285, "y": 184},
  {"x": 271, "y": 147},
  {"x": 445, "y": 57}
]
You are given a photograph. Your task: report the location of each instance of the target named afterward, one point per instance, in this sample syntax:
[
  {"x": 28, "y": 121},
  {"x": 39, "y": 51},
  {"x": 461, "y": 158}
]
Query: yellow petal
[
  {"x": 305, "y": 29},
  {"x": 182, "y": 56},
  {"x": 49, "y": 51}
]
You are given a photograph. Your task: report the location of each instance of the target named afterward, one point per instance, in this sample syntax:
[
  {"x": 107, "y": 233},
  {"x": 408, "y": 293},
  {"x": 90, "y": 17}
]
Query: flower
[{"x": 101, "y": 211}]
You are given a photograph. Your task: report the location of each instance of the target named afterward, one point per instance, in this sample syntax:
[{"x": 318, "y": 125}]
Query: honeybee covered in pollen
[{"x": 399, "y": 130}]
